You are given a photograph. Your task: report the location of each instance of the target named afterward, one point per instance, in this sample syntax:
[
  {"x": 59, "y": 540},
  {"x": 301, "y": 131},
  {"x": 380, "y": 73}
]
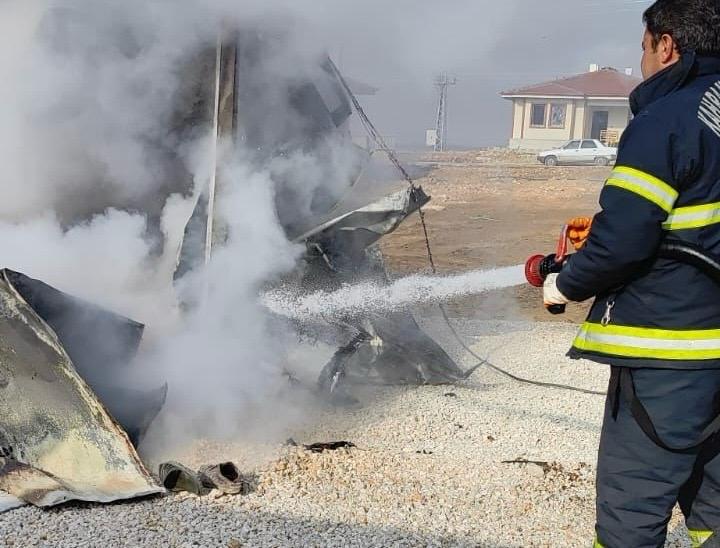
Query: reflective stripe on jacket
[{"x": 652, "y": 312}]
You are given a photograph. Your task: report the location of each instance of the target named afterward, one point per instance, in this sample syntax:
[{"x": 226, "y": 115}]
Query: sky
[{"x": 489, "y": 46}]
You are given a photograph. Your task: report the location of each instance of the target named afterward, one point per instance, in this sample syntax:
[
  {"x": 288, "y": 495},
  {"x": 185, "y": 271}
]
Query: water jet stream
[{"x": 363, "y": 298}]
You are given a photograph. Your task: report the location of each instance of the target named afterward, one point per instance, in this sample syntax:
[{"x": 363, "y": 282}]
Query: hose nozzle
[{"x": 539, "y": 267}]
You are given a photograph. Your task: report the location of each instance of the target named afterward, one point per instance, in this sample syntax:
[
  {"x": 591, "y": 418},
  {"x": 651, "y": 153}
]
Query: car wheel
[
  {"x": 551, "y": 161},
  {"x": 601, "y": 161}
]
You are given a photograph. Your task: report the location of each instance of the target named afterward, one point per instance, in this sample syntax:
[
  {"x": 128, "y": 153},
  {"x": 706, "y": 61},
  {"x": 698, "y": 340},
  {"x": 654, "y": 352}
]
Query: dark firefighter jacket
[{"x": 653, "y": 312}]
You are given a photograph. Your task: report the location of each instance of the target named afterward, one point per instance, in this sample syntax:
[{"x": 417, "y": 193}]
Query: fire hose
[{"x": 382, "y": 145}]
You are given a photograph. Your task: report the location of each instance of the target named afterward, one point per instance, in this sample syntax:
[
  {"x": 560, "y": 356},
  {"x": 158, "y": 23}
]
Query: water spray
[{"x": 364, "y": 298}]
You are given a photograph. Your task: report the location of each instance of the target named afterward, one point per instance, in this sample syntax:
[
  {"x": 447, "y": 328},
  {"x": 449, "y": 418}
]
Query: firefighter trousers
[{"x": 639, "y": 482}]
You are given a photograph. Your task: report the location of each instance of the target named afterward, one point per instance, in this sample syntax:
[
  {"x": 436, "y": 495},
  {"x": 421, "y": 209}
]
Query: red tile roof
[{"x": 605, "y": 82}]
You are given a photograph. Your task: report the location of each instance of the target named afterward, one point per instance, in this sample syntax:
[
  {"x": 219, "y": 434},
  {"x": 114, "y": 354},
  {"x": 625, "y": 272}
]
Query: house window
[
  {"x": 558, "y": 113},
  {"x": 537, "y": 116}
]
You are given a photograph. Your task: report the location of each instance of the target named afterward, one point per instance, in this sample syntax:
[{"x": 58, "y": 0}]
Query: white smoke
[
  {"x": 105, "y": 260},
  {"x": 89, "y": 140},
  {"x": 87, "y": 144},
  {"x": 223, "y": 362}
]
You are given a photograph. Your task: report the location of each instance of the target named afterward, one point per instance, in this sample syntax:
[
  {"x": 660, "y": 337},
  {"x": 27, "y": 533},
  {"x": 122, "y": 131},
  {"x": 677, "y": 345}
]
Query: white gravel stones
[{"x": 428, "y": 470}]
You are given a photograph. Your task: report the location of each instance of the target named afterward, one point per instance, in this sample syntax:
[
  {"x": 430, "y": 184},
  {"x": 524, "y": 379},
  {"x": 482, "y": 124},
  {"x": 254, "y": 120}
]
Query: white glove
[{"x": 551, "y": 293}]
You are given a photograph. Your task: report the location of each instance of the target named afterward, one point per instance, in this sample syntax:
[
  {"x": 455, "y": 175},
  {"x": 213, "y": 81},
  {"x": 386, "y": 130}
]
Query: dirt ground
[{"x": 490, "y": 209}]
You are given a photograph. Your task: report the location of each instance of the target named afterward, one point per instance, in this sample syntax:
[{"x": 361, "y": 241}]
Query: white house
[{"x": 593, "y": 105}]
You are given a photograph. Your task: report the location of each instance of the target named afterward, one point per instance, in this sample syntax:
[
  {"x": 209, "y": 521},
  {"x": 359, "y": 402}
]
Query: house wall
[
  {"x": 518, "y": 118},
  {"x": 526, "y": 137},
  {"x": 580, "y": 112},
  {"x": 578, "y": 122},
  {"x": 618, "y": 115}
]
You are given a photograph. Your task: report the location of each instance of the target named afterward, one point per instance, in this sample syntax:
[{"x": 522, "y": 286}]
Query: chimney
[
  {"x": 594, "y": 67},
  {"x": 629, "y": 71}
]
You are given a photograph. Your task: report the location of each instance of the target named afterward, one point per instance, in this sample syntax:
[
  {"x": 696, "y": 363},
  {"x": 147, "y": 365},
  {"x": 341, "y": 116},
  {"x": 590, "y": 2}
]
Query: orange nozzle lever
[{"x": 562, "y": 248}]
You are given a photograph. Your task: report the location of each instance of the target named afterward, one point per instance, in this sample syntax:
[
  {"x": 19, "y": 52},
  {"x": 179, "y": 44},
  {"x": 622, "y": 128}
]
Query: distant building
[{"x": 593, "y": 105}]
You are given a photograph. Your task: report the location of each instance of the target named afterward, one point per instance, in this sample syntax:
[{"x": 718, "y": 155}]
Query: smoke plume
[{"x": 106, "y": 145}]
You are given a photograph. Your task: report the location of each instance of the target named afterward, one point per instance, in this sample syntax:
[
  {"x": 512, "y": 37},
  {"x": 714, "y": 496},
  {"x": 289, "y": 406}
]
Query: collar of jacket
[{"x": 672, "y": 78}]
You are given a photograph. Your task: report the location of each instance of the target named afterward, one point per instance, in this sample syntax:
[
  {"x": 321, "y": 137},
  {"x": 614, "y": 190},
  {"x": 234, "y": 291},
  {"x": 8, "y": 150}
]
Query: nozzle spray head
[{"x": 539, "y": 267}]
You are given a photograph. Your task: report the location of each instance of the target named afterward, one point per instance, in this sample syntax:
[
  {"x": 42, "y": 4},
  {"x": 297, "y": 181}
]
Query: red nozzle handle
[{"x": 532, "y": 270}]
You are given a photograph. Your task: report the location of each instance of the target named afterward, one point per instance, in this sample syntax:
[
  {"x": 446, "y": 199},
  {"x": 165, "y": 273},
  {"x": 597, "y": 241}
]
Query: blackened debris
[
  {"x": 542, "y": 464},
  {"x": 331, "y": 446}
]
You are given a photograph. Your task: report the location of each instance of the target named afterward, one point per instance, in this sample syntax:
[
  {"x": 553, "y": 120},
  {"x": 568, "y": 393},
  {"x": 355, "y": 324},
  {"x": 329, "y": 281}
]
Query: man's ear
[{"x": 667, "y": 49}]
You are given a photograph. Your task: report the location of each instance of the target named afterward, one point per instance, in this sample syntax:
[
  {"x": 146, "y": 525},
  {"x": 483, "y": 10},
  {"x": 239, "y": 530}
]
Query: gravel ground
[{"x": 427, "y": 471}]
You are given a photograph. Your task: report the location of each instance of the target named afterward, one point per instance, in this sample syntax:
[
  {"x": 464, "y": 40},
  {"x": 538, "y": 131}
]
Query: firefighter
[{"x": 655, "y": 321}]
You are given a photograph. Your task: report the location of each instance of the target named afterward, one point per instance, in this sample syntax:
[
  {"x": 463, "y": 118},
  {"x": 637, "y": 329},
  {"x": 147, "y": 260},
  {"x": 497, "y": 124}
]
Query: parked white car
[{"x": 579, "y": 152}]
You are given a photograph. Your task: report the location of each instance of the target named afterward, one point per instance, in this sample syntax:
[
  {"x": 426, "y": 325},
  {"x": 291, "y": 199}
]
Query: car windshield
[{"x": 571, "y": 145}]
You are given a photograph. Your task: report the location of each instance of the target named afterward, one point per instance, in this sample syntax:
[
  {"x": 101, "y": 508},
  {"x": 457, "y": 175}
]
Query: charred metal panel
[
  {"x": 57, "y": 441},
  {"x": 101, "y": 345},
  {"x": 345, "y": 238}
]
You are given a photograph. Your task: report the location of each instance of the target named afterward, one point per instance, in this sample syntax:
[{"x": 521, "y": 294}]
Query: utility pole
[{"x": 442, "y": 82}]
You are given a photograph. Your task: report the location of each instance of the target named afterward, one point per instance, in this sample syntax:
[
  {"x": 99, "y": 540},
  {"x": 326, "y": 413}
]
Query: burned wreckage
[
  {"x": 64, "y": 434},
  {"x": 339, "y": 223}
]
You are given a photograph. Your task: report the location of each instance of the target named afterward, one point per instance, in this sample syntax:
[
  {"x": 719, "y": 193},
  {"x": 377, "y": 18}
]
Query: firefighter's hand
[
  {"x": 551, "y": 294},
  {"x": 578, "y": 231}
]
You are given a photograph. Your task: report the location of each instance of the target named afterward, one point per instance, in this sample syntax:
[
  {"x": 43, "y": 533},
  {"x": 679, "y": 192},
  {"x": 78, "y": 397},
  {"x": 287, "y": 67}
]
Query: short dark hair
[{"x": 693, "y": 24}]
